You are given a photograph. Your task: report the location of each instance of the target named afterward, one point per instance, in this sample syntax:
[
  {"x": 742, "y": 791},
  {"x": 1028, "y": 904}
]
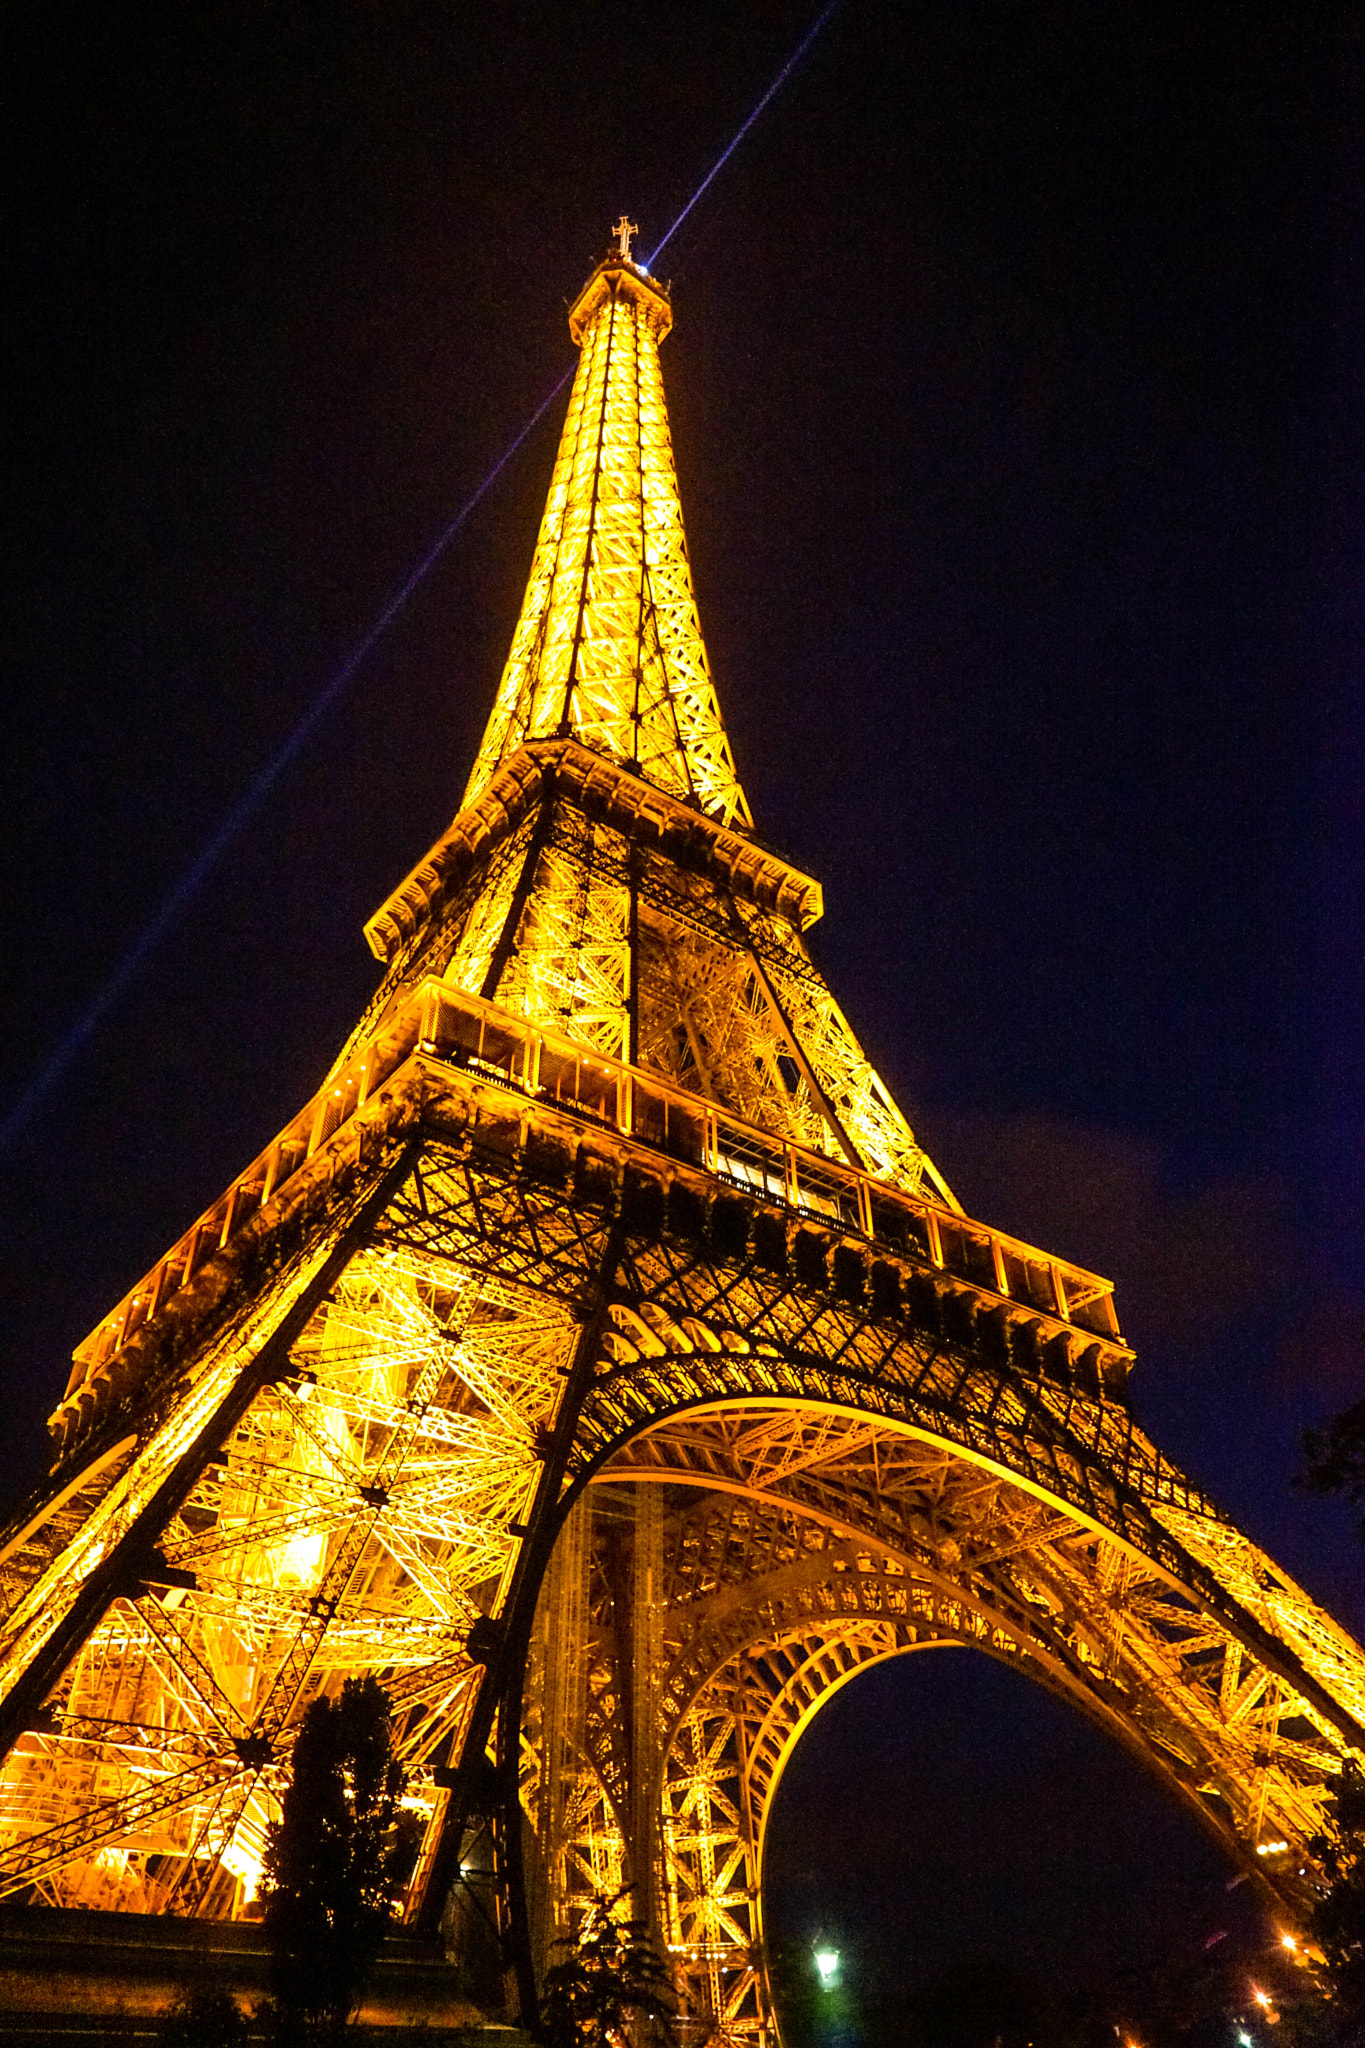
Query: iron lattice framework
[{"x": 599, "y": 1359}]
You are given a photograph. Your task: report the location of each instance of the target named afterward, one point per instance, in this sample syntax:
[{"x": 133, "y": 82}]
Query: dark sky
[{"x": 1016, "y": 392}]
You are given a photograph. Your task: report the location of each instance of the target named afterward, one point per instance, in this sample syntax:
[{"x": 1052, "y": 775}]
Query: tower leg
[
  {"x": 646, "y": 1651},
  {"x": 113, "y": 1572},
  {"x": 502, "y": 1695}
]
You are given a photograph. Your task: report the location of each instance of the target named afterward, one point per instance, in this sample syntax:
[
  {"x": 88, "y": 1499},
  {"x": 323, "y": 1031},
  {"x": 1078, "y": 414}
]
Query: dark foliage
[
  {"x": 1336, "y": 1464},
  {"x": 1336, "y": 1459},
  {"x": 336, "y": 1862},
  {"x": 611, "y": 1988},
  {"x": 1338, "y": 1921},
  {"x": 1195, "y": 1999},
  {"x": 983, "y": 2004},
  {"x": 203, "y": 2016}
]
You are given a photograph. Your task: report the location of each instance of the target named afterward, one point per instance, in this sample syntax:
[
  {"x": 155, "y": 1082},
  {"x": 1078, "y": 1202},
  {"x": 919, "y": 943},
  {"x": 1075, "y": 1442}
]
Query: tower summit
[
  {"x": 608, "y": 647},
  {"x": 599, "y": 1360}
]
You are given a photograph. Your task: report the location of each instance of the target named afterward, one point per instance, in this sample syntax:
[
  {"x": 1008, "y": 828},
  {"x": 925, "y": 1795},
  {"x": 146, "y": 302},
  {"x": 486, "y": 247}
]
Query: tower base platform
[{"x": 67, "y": 1974}]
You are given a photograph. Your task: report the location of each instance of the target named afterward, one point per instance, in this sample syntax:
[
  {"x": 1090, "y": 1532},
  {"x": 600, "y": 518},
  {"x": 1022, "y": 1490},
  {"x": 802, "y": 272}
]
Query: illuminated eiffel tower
[{"x": 599, "y": 1359}]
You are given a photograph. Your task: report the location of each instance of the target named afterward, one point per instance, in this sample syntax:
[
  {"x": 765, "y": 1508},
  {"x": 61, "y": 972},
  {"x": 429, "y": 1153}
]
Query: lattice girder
[
  {"x": 782, "y": 1386},
  {"x": 362, "y": 1515},
  {"x": 995, "y": 1567},
  {"x": 603, "y": 1224},
  {"x": 609, "y": 645},
  {"x": 585, "y": 927},
  {"x": 772, "y": 1602}
]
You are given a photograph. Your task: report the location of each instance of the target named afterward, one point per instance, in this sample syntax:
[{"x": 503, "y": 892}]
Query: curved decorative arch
[
  {"x": 1145, "y": 1656},
  {"x": 797, "y": 1542},
  {"x": 1089, "y": 1459}
]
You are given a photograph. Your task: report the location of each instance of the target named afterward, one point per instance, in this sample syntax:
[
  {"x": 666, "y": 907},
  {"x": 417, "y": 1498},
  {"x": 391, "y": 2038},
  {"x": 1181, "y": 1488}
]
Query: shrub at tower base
[
  {"x": 336, "y": 1861},
  {"x": 612, "y": 1987},
  {"x": 1334, "y": 2015}
]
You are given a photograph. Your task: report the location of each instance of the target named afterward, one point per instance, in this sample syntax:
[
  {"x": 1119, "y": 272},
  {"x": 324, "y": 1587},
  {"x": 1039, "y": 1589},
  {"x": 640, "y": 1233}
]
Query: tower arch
[{"x": 804, "y": 1545}]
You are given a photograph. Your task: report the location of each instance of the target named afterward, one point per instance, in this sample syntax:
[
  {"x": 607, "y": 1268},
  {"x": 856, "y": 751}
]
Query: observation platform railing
[{"x": 543, "y": 1066}]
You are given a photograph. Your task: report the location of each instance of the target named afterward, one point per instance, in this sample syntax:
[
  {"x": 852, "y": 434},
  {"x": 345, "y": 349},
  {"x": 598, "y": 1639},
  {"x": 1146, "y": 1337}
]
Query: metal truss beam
[{"x": 602, "y": 1232}]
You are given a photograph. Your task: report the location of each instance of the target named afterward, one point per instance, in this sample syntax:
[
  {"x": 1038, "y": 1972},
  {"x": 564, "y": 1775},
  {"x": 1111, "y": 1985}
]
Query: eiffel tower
[{"x": 600, "y": 1360}]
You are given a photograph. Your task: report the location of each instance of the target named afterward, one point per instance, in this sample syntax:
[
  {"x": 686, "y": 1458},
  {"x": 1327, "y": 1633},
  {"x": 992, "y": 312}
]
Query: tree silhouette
[
  {"x": 336, "y": 1861},
  {"x": 1336, "y": 1464},
  {"x": 611, "y": 1988},
  {"x": 1336, "y": 1460},
  {"x": 1337, "y": 1922},
  {"x": 203, "y": 2016}
]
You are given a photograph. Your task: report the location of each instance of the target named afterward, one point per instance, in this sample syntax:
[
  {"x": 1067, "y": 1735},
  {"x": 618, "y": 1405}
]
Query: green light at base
[{"x": 827, "y": 1963}]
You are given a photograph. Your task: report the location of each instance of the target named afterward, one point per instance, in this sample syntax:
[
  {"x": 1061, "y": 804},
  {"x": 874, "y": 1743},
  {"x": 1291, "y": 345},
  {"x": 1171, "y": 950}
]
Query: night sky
[{"x": 1017, "y": 401}]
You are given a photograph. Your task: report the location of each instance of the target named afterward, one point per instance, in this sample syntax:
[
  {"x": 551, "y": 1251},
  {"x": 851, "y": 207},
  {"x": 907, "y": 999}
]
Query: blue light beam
[
  {"x": 244, "y": 810},
  {"x": 27, "y": 1105},
  {"x": 723, "y": 159}
]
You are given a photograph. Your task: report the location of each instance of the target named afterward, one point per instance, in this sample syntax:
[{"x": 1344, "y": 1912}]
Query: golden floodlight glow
[
  {"x": 608, "y": 646},
  {"x": 600, "y": 1360}
]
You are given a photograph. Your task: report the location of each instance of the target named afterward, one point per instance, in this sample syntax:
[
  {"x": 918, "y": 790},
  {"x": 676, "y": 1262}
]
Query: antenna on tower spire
[{"x": 624, "y": 229}]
